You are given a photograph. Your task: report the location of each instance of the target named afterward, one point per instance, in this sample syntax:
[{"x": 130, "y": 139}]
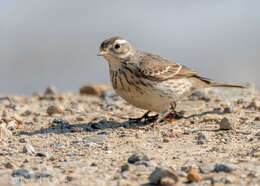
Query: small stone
[
  {"x": 257, "y": 134},
  {"x": 9, "y": 165},
  {"x": 256, "y": 154},
  {"x": 257, "y": 118},
  {"x": 224, "y": 167},
  {"x": 28, "y": 148},
  {"x": 26, "y": 113},
  {"x": 94, "y": 90},
  {"x": 186, "y": 168},
  {"x": 97, "y": 126},
  {"x": 139, "y": 156},
  {"x": 4, "y": 132},
  {"x": 51, "y": 90},
  {"x": 227, "y": 110},
  {"x": 11, "y": 125},
  {"x": 68, "y": 179},
  {"x": 160, "y": 172},
  {"x": 53, "y": 109},
  {"x": 24, "y": 173},
  {"x": 225, "y": 124},
  {"x": 193, "y": 175},
  {"x": 254, "y": 105},
  {"x": 202, "y": 136},
  {"x": 124, "y": 167},
  {"x": 40, "y": 154},
  {"x": 79, "y": 118},
  {"x": 206, "y": 168},
  {"x": 166, "y": 140},
  {"x": 23, "y": 140}
]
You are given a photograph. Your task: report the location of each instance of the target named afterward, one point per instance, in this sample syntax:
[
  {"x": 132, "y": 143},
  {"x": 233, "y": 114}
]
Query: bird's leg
[
  {"x": 170, "y": 111},
  {"x": 145, "y": 117}
]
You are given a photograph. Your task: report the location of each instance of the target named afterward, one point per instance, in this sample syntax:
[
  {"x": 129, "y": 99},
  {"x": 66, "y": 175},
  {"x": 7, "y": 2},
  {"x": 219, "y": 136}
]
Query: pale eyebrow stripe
[{"x": 120, "y": 41}]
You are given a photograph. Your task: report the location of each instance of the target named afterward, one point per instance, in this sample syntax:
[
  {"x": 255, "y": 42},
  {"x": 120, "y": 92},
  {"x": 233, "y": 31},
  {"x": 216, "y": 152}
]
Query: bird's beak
[{"x": 102, "y": 53}]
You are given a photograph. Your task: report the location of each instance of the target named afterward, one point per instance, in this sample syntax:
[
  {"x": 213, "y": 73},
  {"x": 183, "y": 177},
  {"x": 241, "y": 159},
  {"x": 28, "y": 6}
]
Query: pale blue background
[{"x": 55, "y": 42}]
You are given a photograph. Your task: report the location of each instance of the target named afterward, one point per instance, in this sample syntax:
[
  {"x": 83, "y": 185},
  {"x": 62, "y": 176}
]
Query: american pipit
[{"x": 149, "y": 81}]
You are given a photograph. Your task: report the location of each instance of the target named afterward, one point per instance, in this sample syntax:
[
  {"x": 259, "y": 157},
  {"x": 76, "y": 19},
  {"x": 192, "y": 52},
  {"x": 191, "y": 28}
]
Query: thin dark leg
[
  {"x": 146, "y": 117},
  {"x": 168, "y": 113},
  {"x": 142, "y": 117}
]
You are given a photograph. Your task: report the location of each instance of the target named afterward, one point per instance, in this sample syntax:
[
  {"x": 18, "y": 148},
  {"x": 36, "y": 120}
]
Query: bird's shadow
[{"x": 60, "y": 126}]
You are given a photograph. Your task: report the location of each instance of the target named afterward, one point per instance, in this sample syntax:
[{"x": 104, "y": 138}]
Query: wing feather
[{"x": 159, "y": 68}]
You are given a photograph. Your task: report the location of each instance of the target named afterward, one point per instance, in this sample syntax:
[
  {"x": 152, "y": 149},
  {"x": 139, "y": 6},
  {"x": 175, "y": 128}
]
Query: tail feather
[{"x": 217, "y": 84}]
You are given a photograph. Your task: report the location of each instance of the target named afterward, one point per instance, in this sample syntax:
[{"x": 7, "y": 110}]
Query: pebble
[
  {"x": 24, "y": 173},
  {"x": 227, "y": 110},
  {"x": 4, "y": 132},
  {"x": 224, "y": 167},
  {"x": 97, "y": 126},
  {"x": 193, "y": 175},
  {"x": 139, "y": 156},
  {"x": 51, "y": 90},
  {"x": 28, "y": 148},
  {"x": 9, "y": 165},
  {"x": 202, "y": 136},
  {"x": 23, "y": 140},
  {"x": 160, "y": 173},
  {"x": 53, "y": 109},
  {"x": 166, "y": 140},
  {"x": 226, "y": 124},
  {"x": 256, "y": 154},
  {"x": 124, "y": 167},
  {"x": 11, "y": 125},
  {"x": 94, "y": 90},
  {"x": 206, "y": 168},
  {"x": 40, "y": 154}
]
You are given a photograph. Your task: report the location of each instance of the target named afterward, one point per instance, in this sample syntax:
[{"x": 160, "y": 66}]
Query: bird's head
[{"x": 115, "y": 48}]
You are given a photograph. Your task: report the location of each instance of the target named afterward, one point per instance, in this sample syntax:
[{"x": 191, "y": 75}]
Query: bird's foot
[
  {"x": 146, "y": 118},
  {"x": 170, "y": 114}
]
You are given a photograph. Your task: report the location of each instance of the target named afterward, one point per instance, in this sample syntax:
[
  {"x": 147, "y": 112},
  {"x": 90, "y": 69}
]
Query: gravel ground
[{"x": 87, "y": 139}]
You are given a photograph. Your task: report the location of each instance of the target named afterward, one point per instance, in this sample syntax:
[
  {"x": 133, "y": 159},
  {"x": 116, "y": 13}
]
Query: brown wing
[{"x": 158, "y": 68}]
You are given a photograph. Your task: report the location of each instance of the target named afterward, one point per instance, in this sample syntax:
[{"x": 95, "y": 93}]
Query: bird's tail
[{"x": 217, "y": 84}]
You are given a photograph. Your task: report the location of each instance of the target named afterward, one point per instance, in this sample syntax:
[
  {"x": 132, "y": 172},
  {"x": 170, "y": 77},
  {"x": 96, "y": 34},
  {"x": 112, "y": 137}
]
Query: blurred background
[{"x": 55, "y": 42}]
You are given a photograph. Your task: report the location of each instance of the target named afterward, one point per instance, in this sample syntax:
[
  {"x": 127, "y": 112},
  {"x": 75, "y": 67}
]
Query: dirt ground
[{"x": 81, "y": 139}]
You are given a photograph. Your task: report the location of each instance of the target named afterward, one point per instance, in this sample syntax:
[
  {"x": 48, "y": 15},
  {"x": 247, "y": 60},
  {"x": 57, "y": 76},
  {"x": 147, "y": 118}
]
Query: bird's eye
[{"x": 117, "y": 46}]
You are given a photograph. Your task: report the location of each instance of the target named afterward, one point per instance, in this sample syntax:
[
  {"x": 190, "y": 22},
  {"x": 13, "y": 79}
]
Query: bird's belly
[
  {"x": 146, "y": 100},
  {"x": 157, "y": 97}
]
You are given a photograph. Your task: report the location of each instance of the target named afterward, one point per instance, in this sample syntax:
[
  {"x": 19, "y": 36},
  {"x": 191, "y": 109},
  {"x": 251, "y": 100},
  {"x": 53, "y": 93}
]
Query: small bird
[{"x": 149, "y": 81}]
